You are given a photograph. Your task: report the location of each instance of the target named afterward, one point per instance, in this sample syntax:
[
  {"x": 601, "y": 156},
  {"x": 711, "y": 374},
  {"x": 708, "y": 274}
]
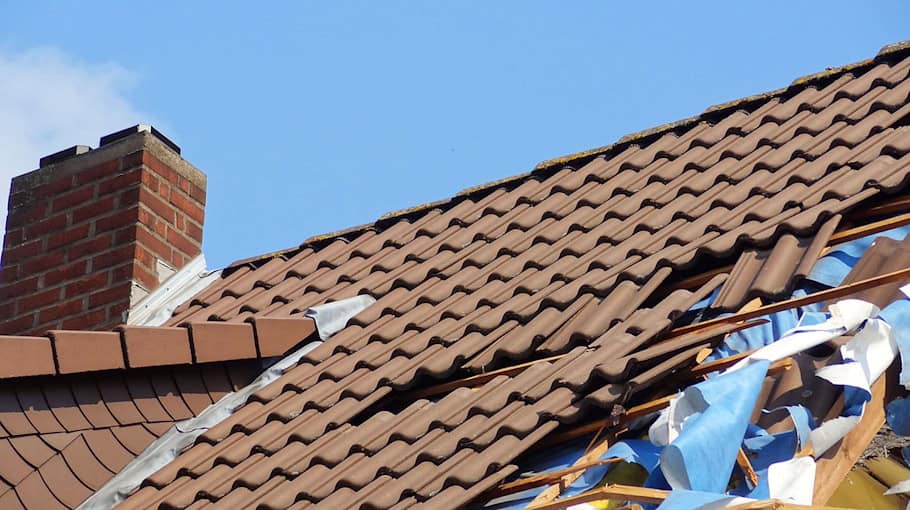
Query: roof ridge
[{"x": 712, "y": 113}]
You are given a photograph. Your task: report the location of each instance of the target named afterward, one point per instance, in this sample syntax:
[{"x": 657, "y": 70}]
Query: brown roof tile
[
  {"x": 571, "y": 259},
  {"x": 24, "y": 356},
  {"x": 148, "y": 346},
  {"x": 84, "y": 351}
]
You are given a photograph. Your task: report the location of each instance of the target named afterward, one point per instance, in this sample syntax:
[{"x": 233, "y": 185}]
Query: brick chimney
[{"x": 90, "y": 232}]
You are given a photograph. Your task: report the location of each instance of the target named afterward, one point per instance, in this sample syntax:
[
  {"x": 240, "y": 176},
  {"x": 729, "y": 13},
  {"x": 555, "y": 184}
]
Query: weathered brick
[
  {"x": 197, "y": 194},
  {"x": 120, "y": 181},
  {"x": 69, "y": 272},
  {"x": 93, "y": 210},
  {"x": 85, "y": 285},
  {"x": 163, "y": 171},
  {"x": 94, "y": 319},
  {"x": 97, "y": 172},
  {"x": 61, "y": 310},
  {"x": 125, "y": 235},
  {"x": 68, "y": 236},
  {"x": 73, "y": 198},
  {"x": 156, "y": 245},
  {"x": 144, "y": 256},
  {"x": 117, "y": 292},
  {"x": 157, "y": 206},
  {"x": 145, "y": 277},
  {"x": 12, "y": 238},
  {"x": 187, "y": 206},
  {"x": 43, "y": 263},
  {"x": 153, "y": 222},
  {"x": 19, "y": 288},
  {"x": 89, "y": 247},
  {"x": 179, "y": 241},
  {"x": 193, "y": 231},
  {"x": 21, "y": 252},
  {"x": 131, "y": 160},
  {"x": 19, "y": 325},
  {"x": 44, "y": 227},
  {"x": 39, "y": 299},
  {"x": 27, "y": 215},
  {"x": 150, "y": 181},
  {"x": 112, "y": 257},
  {"x": 54, "y": 186},
  {"x": 117, "y": 220},
  {"x": 128, "y": 197}
]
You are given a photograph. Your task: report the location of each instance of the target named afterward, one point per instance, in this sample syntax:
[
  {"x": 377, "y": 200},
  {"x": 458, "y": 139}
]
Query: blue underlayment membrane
[{"x": 697, "y": 464}]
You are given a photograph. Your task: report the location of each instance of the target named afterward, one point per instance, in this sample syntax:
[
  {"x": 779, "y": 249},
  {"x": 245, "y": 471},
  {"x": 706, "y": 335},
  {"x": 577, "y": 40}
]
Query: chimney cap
[
  {"x": 138, "y": 128},
  {"x": 56, "y": 157}
]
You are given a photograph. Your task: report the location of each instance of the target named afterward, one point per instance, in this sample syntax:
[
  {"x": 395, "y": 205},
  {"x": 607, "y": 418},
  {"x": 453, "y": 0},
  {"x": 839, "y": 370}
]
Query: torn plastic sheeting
[
  {"x": 897, "y": 414},
  {"x": 846, "y": 316},
  {"x": 867, "y": 355},
  {"x": 331, "y": 318},
  {"x": 710, "y": 421},
  {"x": 167, "y": 447},
  {"x": 899, "y": 488},
  {"x": 897, "y": 314},
  {"x": 832, "y": 268}
]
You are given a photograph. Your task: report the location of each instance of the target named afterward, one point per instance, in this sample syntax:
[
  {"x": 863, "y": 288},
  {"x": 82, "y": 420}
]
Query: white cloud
[{"x": 50, "y": 101}]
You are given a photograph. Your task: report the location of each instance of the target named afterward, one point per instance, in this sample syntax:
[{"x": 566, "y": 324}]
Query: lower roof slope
[
  {"x": 577, "y": 260},
  {"x": 62, "y": 438}
]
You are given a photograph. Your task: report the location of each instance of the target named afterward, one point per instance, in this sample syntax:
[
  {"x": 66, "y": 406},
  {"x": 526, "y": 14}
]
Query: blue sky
[{"x": 312, "y": 117}]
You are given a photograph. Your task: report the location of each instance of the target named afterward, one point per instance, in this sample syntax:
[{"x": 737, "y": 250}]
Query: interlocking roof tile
[{"x": 578, "y": 260}]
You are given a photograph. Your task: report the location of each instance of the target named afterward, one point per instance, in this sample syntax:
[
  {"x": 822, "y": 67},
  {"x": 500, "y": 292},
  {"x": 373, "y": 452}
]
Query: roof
[{"x": 582, "y": 267}]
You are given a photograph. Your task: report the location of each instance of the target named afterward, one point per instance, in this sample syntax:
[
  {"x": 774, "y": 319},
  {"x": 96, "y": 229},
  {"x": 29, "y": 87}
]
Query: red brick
[
  {"x": 27, "y": 215},
  {"x": 125, "y": 235},
  {"x": 164, "y": 191},
  {"x": 44, "y": 227},
  {"x": 12, "y": 238},
  {"x": 131, "y": 160},
  {"x": 113, "y": 257},
  {"x": 90, "y": 319},
  {"x": 115, "y": 311},
  {"x": 180, "y": 242},
  {"x": 117, "y": 220},
  {"x": 21, "y": 252},
  {"x": 153, "y": 222},
  {"x": 39, "y": 300},
  {"x": 94, "y": 210},
  {"x": 128, "y": 198},
  {"x": 72, "y": 271},
  {"x": 145, "y": 277},
  {"x": 146, "y": 257},
  {"x": 197, "y": 194},
  {"x": 90, "y": 283},
  {"x": 150, "y": 181},
  {"x": 157, "y": 206},
  {"x": 20, "y": 288},
  {"x": 20, "y": 199},
  {"x": 181, "y": 222},
  {"x": 194, "y": 232},
  {"x": 68, "y": 236},
  {"x": 54, "y": 187},
  {"x": 97, "y": 172},
  {"x": 124, "y": 272},
  {"x": 183, "y": 184},
  {"x": 154, "y": 244},
  {"x": 190, "y": 208},
  {"x": 164, "y": 171},
  {"x": 8, "y": 309},
  {"x": 73, "y": 198},
  {"x": 62, "y": 310},
  {"x": 115, "y": 293},
  {"x": 43, "y": 263},
  {"x": 18, "y": 326},
  {"x": 120, "y": 181},
  {"x": 89, "y": 247}
]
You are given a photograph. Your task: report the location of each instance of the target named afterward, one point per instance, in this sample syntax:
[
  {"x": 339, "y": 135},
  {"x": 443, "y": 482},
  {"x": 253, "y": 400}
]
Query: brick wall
[{"x": 84, "y": 236}]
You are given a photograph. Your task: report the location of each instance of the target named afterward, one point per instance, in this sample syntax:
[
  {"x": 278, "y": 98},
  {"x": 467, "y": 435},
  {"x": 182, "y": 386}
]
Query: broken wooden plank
[
  {"x": 817, "y": 297},
  {"x": 552, "y": 492},
  {"x": 614, "y": 492},
  {"x": 833, "y": 466},
  {"x": 530, "y": 482}
]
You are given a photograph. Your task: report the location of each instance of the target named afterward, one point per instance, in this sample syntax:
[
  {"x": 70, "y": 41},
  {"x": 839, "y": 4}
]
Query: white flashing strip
[
  {"x": 182, "y": 435},
  {"x": 157, "y": 307}
]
